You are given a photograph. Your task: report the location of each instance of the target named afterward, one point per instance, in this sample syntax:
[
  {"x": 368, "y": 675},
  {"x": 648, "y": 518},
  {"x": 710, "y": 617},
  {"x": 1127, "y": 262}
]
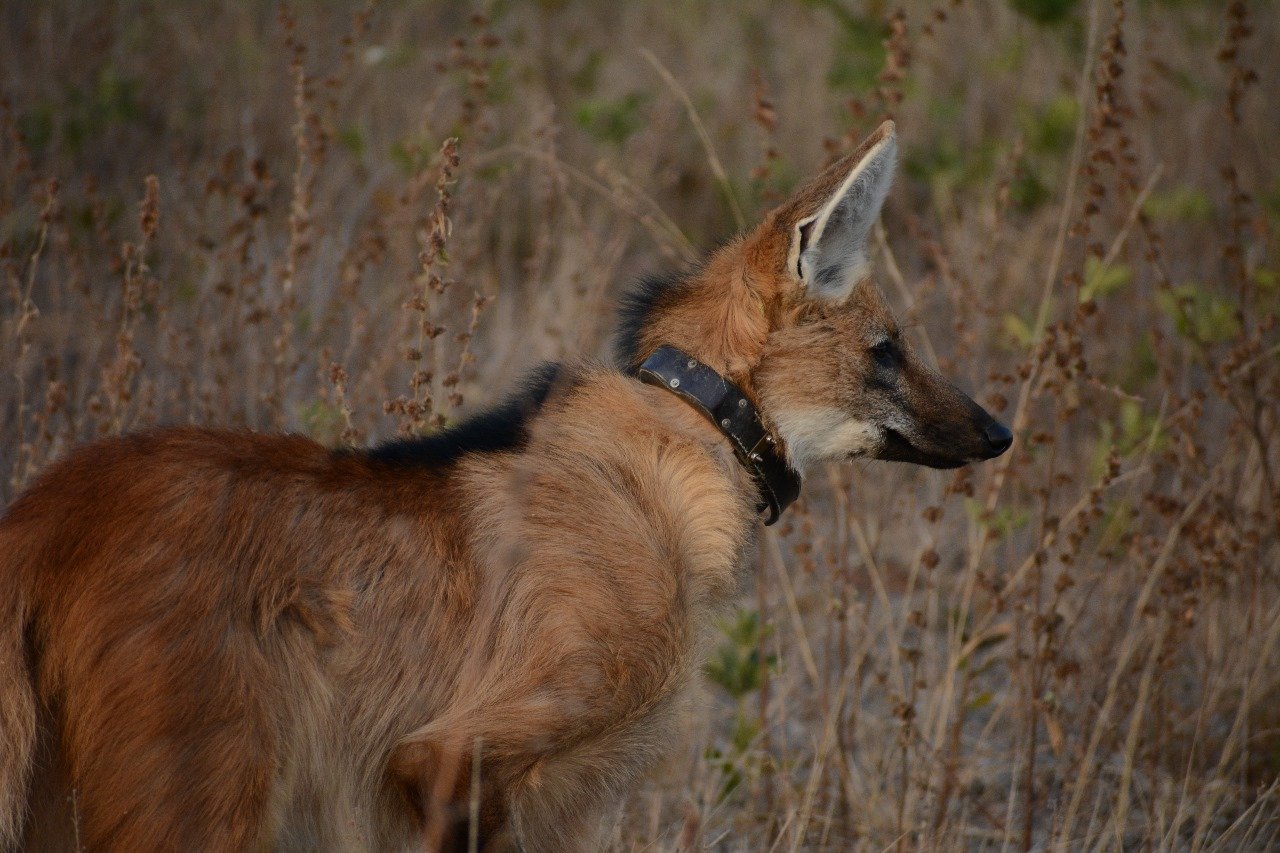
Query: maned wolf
[{"x": 239, "y": 641}]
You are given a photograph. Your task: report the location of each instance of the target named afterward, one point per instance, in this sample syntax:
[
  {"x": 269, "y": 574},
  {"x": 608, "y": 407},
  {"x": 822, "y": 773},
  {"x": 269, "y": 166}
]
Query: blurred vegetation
[{"x": 1075, "y": 647}]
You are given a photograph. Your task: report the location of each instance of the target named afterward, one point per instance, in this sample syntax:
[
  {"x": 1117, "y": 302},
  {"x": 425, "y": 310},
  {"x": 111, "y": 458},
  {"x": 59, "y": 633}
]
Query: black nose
[{"x": 998, "y": 437}]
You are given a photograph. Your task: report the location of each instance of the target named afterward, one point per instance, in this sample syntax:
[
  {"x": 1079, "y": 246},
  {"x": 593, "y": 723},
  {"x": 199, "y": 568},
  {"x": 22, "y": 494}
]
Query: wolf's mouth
[{"x": 898, "y": 448}]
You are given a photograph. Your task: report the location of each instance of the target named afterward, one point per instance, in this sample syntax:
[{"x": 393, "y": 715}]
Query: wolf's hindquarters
[{"x": 17, "y": 703}]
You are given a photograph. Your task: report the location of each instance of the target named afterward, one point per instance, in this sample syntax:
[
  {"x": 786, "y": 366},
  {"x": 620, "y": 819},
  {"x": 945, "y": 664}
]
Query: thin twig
[{"x": 716, "y": 168}]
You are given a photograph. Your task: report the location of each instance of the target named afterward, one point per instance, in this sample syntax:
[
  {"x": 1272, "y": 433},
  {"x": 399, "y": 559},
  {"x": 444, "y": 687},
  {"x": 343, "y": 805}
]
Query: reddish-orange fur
[
  {"x": 239, "y": 641},
  {"x": 227, "y": 628}
]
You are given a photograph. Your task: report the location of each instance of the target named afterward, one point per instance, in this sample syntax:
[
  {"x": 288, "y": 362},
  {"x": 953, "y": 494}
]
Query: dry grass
[{"x": 218, "y": 213}]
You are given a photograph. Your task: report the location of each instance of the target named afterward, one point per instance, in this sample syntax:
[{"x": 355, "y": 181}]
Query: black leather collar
[{"x": 724, "y": 404}]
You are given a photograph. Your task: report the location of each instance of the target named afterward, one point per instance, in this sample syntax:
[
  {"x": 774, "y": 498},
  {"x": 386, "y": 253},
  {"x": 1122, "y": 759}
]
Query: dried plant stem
[
  {"x": 904, "y": 292},
  {"x": 118, "y": 376},
  {"x": 1101, "y": 721},
  {"x": 27, "y": 312},
  {"x": 1235, "y": 741},
  {"x": 717, "y": 168},
  {"x": 665, "y": 231},
  {"x": 939, "y": 661},
  {"x": 418, "y": 412},
  {"x": 1135, "y": 209},
  {"x": 979, "y": 541},
  {"x": 308, "y": 155},
  {"x": 1121, "y": 812},
  {"x": 793, "y": 609},
  {"x": 819, "y": 763},
  {"x": 1055, "y": 262}
]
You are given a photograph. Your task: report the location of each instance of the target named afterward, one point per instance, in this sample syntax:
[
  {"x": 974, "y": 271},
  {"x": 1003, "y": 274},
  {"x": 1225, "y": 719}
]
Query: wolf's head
[{"x": 792, "y": 314}]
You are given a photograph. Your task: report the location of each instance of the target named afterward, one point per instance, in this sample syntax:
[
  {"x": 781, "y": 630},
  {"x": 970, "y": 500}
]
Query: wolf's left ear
[{"x": 829, "y": 246}]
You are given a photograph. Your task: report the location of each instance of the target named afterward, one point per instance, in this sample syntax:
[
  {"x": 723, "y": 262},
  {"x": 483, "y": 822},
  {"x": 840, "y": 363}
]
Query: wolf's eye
[{"x": 885, "y": 354}]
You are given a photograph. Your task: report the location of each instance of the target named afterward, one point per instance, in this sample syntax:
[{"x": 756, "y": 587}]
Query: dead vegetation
[{"x": 357, "y": 222}]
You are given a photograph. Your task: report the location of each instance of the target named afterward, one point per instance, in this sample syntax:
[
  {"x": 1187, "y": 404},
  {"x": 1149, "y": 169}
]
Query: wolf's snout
[{"x": 997, "y": 437}]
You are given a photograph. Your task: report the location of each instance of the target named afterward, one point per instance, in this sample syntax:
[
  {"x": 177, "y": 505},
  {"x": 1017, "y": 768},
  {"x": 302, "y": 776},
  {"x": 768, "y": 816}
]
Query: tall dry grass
[{"x": 353, "y": 222}]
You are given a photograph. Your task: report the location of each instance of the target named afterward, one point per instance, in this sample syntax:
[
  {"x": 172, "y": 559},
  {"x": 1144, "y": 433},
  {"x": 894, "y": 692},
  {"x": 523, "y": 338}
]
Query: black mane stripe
[
  {"x": 637, "y": 307},
  {"x": 504, "y": 427}
]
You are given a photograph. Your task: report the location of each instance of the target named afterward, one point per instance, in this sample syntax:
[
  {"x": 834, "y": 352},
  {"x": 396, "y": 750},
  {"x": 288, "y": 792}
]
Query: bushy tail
[{"x": 17, "y": 698}]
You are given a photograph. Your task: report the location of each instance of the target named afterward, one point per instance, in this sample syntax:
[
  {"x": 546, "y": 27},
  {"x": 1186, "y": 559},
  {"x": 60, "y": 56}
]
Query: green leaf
[
  {"x": 1103, "y": 279},
  {"x": 1271, "y": 199},
  {"x": 736, "y": 666},
  {"x": 1044, "y": 11},
  {"x": 352, "y": 138},
  {"x": 1199, "y": 315},
  {"x": 584, "y": 80},
  {"x": 1098, "y": 460},
  {"x": 1137, "y": 367},
  {"x": 1118, "y": 521},
  {"x": 859, "y": 55},
  {"x": 1008, "y": 57},
  {"x": 36, "y": 126},
  {"x": 1018, "y": 329},
  {"x": 321, "y": 420},
  {"x": 1027, "y": 190},
  {"x": 745, "y": 731},
  {"x": 980, "y": 701},
  {"x": 1052, "y": 128},
  {"x": 1179, "y": 204},
  {"x": 1001, "y": 522},
  {"x": 611, "y": 120}
]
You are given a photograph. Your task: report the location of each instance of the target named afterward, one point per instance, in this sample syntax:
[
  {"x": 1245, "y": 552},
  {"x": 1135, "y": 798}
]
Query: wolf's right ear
[{"x": 829, "y": 243}]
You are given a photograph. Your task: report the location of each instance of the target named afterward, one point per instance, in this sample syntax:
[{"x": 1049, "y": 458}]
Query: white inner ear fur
[
  {"x": 833, "y": 262},
  {"x": 813, "y": 435}
]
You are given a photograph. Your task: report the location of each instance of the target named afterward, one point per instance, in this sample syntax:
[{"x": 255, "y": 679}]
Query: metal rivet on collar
[{"x": 730, "y": 410}]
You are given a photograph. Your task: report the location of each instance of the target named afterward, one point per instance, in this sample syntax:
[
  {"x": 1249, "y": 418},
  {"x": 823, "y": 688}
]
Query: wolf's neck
[{"x": 717, "y": 314}]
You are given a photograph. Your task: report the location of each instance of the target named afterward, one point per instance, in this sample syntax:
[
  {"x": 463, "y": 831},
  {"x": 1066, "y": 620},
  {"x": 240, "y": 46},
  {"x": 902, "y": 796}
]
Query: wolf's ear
[{"x": 829, "y": 244}]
